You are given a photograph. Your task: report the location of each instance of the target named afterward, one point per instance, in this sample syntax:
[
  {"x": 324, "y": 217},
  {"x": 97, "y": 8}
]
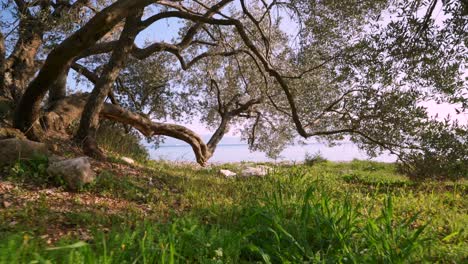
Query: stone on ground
[
  {"x": 74, "y": 172},
  {"x": 256, "y": 171},
  {"x": 14, "y": 149},
  {"x": 128, "y": 160},
  {"x": 8, "y": 132},
  {"x": 227, "y": 173}
]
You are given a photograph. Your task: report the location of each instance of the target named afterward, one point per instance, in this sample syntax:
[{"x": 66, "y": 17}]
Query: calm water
[{"x": 240, "y": 152}]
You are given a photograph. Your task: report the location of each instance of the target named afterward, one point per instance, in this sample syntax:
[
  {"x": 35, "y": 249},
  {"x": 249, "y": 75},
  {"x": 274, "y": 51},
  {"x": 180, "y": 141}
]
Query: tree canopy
[{"x": 278, "y": 71}]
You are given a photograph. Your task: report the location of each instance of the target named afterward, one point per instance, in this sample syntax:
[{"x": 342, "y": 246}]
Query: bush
[
  {"x": 443, "y": 153},
  {"x": 313, "y": 159},
  {"x": 114, "y": 138},
  {"x": 419, "y": 166}
]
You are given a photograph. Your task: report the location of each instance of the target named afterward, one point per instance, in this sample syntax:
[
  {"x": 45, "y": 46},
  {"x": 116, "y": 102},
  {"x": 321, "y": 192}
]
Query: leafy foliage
[
  {"x": 444, "y": 153},
  {"x": 114, "y": 138},
  {"x": 311, "y": 160}
]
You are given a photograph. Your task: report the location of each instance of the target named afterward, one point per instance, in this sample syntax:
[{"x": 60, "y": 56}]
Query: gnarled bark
[
  {"x": 59, "y": 89},
  {"x": 20, "y": 66},
  {"x": 219, "y": 133},
  {"x": 3, "y": 90},
  {"x": 149, "y": 128}
]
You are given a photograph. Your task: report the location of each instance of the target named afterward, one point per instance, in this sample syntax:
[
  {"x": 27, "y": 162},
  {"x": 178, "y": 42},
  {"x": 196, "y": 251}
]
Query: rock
[
  {"x": 256, "y": 171},
  {"x": 74, "y": 172},
  {"x": 14, "y": 149},
  {"x": 227, "y": 173},
  {"x": 128, "y": 160}
]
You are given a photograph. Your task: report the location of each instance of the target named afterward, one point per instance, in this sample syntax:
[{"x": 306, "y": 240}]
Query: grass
[{"x": 357, "y": 212}]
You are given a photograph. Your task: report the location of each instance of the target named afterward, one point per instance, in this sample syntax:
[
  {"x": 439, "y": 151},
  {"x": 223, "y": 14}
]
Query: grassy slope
[{"x": 331, "y": 212}]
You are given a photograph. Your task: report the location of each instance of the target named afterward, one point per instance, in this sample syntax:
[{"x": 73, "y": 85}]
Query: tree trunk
[
  {"x": 59, "y": 89},
  {"x": 20, "y": 66},
  {"x": 218, "y": 134},
  {"x": 3, "y": 90},
  {"x": 28, "y": 109},
  {"x": 149, "y": 128},
  {"x": 90, "y": 118}
]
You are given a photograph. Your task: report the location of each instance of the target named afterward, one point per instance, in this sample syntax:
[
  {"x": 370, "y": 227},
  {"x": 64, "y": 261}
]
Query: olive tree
[{"x": 275, "y": 70}]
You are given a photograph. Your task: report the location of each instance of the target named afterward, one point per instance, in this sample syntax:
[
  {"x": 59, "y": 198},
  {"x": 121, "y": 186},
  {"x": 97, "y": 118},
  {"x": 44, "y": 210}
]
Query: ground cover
[{"x": 157, "y": 212}]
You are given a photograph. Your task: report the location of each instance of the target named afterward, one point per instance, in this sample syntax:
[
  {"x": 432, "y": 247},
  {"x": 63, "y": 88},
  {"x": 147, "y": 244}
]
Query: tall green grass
[
  {"x": 113, "y": 138},
  {"x": 281, "y": 227},
  {"x": 358, "y": 212}
]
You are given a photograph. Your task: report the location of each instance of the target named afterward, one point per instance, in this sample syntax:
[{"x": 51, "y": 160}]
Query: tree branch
[
  {"x": 67, "y": 110},
  {"x": 91, "y": 76}
]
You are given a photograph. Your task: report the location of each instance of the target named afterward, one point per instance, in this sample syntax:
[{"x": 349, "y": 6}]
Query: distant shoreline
[
  {"x": 242, "y": 144},
  {"x": 237, "y": 152},
  {"x": 275, "y": 163}
]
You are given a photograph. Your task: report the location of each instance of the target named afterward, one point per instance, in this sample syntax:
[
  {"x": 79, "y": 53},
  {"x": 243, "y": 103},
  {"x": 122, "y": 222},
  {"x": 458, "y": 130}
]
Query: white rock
[
  {"x": 227, "y": 173},
  {"x": 128, "y": 160},
  {"x": 75, "y": 172},
  {"x": 256, "y": 171}
]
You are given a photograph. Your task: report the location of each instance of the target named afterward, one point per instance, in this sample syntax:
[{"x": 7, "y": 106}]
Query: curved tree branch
[{"x": 67, "y": 110}]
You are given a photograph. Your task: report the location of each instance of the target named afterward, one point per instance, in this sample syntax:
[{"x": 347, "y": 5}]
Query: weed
[{"x": 34, "y": 171}]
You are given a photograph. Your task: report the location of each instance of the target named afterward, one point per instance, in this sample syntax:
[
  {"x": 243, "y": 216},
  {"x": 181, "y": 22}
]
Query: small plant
[
  {"x": 313, "y": 159},
  {"x": 323, "y": 229},
  {"x": 391, "y": 241},
  {"x": 33, "y": 171},
  {"x": 114, "y": 138}
]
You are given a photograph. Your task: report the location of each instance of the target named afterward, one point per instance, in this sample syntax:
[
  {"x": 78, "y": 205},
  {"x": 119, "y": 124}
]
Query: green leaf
[
  {"x": 72, "y": 246},
  {"x": 449, "y": 237}
]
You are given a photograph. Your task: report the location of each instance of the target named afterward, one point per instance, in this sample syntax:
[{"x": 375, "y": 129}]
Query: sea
[{"x": 231, "y": 149}]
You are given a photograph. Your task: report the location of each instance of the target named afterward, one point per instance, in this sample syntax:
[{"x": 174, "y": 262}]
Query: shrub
[
  {"x": 113, "y": 137},
  {"x": 420, "y": 166},
  {"x": 312, "y": 159},
  {"x": 442, "y": 154}
]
